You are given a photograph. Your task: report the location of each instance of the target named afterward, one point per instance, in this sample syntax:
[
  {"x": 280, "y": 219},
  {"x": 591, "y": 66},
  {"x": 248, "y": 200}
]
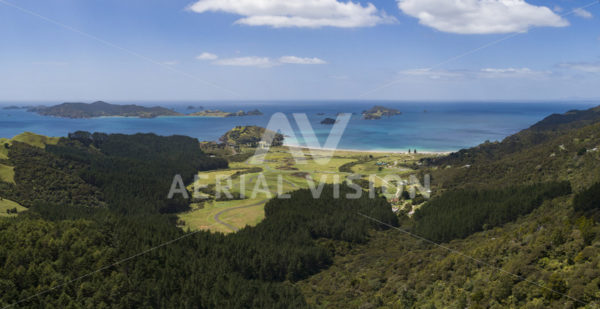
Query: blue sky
[{"x": 115, "y": 50}]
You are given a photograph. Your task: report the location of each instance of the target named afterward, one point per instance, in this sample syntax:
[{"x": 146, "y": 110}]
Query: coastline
[{"x": 395, "y": 152}]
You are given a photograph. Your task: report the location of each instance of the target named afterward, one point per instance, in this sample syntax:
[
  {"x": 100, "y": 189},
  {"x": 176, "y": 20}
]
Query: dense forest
[
  {"x": 66, "y": 251},
  {"x": 460, "y": 213}
]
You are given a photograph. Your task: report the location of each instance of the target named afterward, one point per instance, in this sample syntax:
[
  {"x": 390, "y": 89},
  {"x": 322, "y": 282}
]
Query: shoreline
[{"x": 439, "y": 153}]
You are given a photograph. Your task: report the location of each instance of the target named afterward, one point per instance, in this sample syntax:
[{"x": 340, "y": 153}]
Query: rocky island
[
  {"x": 328, "y": 121},
  {"x": 102, "y": 109},
  {"x": 377, "y": 112}
]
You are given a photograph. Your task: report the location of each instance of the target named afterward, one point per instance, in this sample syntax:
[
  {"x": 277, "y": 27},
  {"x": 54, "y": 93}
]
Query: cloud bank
[
  {"x": 475, "y": 74},
  {"x": 587, "y": 67},
  {"x": 481, "y": 16},
  {"x": 299, "y": 60},
  {"x": 207, "y": 56},
  {"x": 297, "y": 13},
  {"x": 261, "y": 62}
]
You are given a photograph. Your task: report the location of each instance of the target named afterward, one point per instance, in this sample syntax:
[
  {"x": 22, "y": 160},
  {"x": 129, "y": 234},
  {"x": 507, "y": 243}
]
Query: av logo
[{"x": 279, "y": 123}]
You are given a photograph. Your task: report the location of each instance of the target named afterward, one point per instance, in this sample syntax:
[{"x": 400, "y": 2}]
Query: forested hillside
[
  {"x": 546, "y": 130},
  {"x": 66, "y": 251},
  {"x": 571, "y": 154},
  {"x": 504, "y": 230}
]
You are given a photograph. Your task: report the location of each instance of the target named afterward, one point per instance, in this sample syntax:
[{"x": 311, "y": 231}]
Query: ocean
[{"x": 431, "y": 126}]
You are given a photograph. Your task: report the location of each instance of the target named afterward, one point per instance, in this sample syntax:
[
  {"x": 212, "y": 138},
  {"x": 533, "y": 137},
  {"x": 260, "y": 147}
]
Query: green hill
[
  {"x": 35, "y": 139},
  {"x": 7, "y": 172},
  {"x": 249, "y": 136}
]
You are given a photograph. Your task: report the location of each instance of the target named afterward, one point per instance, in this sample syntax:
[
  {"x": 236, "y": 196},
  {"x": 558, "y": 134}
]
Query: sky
[{"x": 173, "y": 50}]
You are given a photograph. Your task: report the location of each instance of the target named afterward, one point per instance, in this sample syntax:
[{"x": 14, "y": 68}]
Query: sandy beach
[{"x": 439, "y": 153}]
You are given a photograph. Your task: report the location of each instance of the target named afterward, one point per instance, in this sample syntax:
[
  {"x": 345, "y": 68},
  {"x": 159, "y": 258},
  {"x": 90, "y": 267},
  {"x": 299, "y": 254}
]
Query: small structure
[{"x": 263, "y": 144}]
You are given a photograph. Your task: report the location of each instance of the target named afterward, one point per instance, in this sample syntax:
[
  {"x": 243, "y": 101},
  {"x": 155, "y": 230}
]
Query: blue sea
[{"x": 431, "y": 126}]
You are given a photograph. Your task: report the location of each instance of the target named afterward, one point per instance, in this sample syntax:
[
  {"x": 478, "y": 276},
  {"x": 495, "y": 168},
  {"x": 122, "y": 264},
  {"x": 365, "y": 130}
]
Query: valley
[{"x": 279, "y": 173}]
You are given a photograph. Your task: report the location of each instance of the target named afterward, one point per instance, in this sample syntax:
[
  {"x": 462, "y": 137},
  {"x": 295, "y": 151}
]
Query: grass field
[
  {"x": 8, "y": 204},
  {"x": 7, "y": 173},
  {"x": 204, "y": 218},
  {"x": 282, "y": 174},
  {"x": 27, "y": 138},
  {"x": 35, "y": 140},
  {"x": 4, "y": 144}
]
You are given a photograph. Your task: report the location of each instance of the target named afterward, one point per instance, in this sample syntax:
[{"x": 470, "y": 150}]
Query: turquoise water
[{"x": 423, "y": 126}]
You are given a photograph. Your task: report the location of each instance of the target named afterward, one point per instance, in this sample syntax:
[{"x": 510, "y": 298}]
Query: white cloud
[
  {"x": 481, "y": 16},
  {"x": 266, "y": 62},
  {"x": 432, "y": 74},
  {"x": 588, "y": 67},
  {"x": 512, "y": 73},
  {"x": 207, "y": 56},
  {"x": 299, "y": 60},
  {"x": 297, "y": 13},
  {"x": 474, "y": 74},
  {"x": 582, "y": 13},
  {"x": 263, "y": 62}
]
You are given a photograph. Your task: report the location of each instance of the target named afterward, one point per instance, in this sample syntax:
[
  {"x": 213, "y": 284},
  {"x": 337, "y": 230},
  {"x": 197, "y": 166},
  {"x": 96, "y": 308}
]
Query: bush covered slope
[
  {"x": 493, "y": 253},
  {"x": 97, "y": 236}
]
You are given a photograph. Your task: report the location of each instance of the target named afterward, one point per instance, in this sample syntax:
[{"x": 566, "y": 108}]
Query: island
[
  {"x": 12, "y": 107},
  {"x": 328, "y": 121},
  {"x": 377, "y": 112},
  {"x": 219, "y": 113},
  {"x": 102, "y": 109}
]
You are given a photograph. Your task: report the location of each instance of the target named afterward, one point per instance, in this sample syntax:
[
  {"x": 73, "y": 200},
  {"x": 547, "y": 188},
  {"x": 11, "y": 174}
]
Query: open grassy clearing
[
  {"x": 4, "y": 145},
  {"x": 281, "y": 173},
  {"x": 210, "y": 178},
  {"x": 9, "y": 205},
  {"x": 27, "y": 138},
  {"x": 204, "y": 218},
  {"x": 7, "y": 173},
  {"x": 245, "y": 216},
  {"x": 35, "y": 140}
]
